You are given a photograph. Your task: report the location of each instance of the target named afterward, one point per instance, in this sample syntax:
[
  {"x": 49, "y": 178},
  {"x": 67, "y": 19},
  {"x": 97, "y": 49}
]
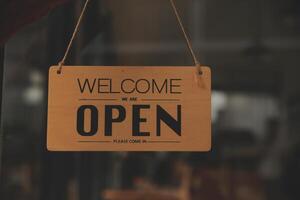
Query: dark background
[{"x": 252, "y": 47}]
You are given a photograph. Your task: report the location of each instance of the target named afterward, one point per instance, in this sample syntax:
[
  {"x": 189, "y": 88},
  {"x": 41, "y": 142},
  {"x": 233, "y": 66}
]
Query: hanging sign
[{"x": 129, "y": 109}]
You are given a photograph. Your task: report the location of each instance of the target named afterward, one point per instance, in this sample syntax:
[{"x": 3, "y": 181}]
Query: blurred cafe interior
[{"x": 253, "y": 49}]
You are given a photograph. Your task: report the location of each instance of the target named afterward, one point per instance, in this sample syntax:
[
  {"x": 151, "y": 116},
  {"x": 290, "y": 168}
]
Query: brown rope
[
  {"x": 62, "y": 62},
  {"x": 188, "y": 41}
]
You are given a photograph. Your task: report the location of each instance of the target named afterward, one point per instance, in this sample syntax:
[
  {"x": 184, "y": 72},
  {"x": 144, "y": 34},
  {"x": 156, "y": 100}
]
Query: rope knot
[{"x": 60, "y": 65}]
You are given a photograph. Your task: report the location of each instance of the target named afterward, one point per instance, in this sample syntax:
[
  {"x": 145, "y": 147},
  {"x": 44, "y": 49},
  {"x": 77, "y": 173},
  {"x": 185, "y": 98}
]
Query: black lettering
[
  {"x": 111, "y": 88},
  {"x": 172, "y": 86},
  {"x": 80, "y": 120},
  {"x": 164, "y": 116},
  {"x": 109, "y": 120},
  {"x": 102, "y": 85},
  {"x": 138, "y": 83},
  {"x": 136, "y": 120},
  {"x": 86, "y": 84},
  {"x": 122, "y": 86},
  {"x": 155, "y": 86}
]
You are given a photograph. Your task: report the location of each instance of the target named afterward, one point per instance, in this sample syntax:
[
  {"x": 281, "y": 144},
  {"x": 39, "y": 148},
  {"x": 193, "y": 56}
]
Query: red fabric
[{"x": 14, "y": 14}]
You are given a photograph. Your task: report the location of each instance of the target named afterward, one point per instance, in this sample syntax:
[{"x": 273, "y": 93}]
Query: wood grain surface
[{"x": 174, "y": 89}]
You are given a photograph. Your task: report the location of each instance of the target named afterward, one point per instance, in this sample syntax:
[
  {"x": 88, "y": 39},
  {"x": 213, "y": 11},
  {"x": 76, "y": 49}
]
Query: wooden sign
[{"x": 129, "y": 109}]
